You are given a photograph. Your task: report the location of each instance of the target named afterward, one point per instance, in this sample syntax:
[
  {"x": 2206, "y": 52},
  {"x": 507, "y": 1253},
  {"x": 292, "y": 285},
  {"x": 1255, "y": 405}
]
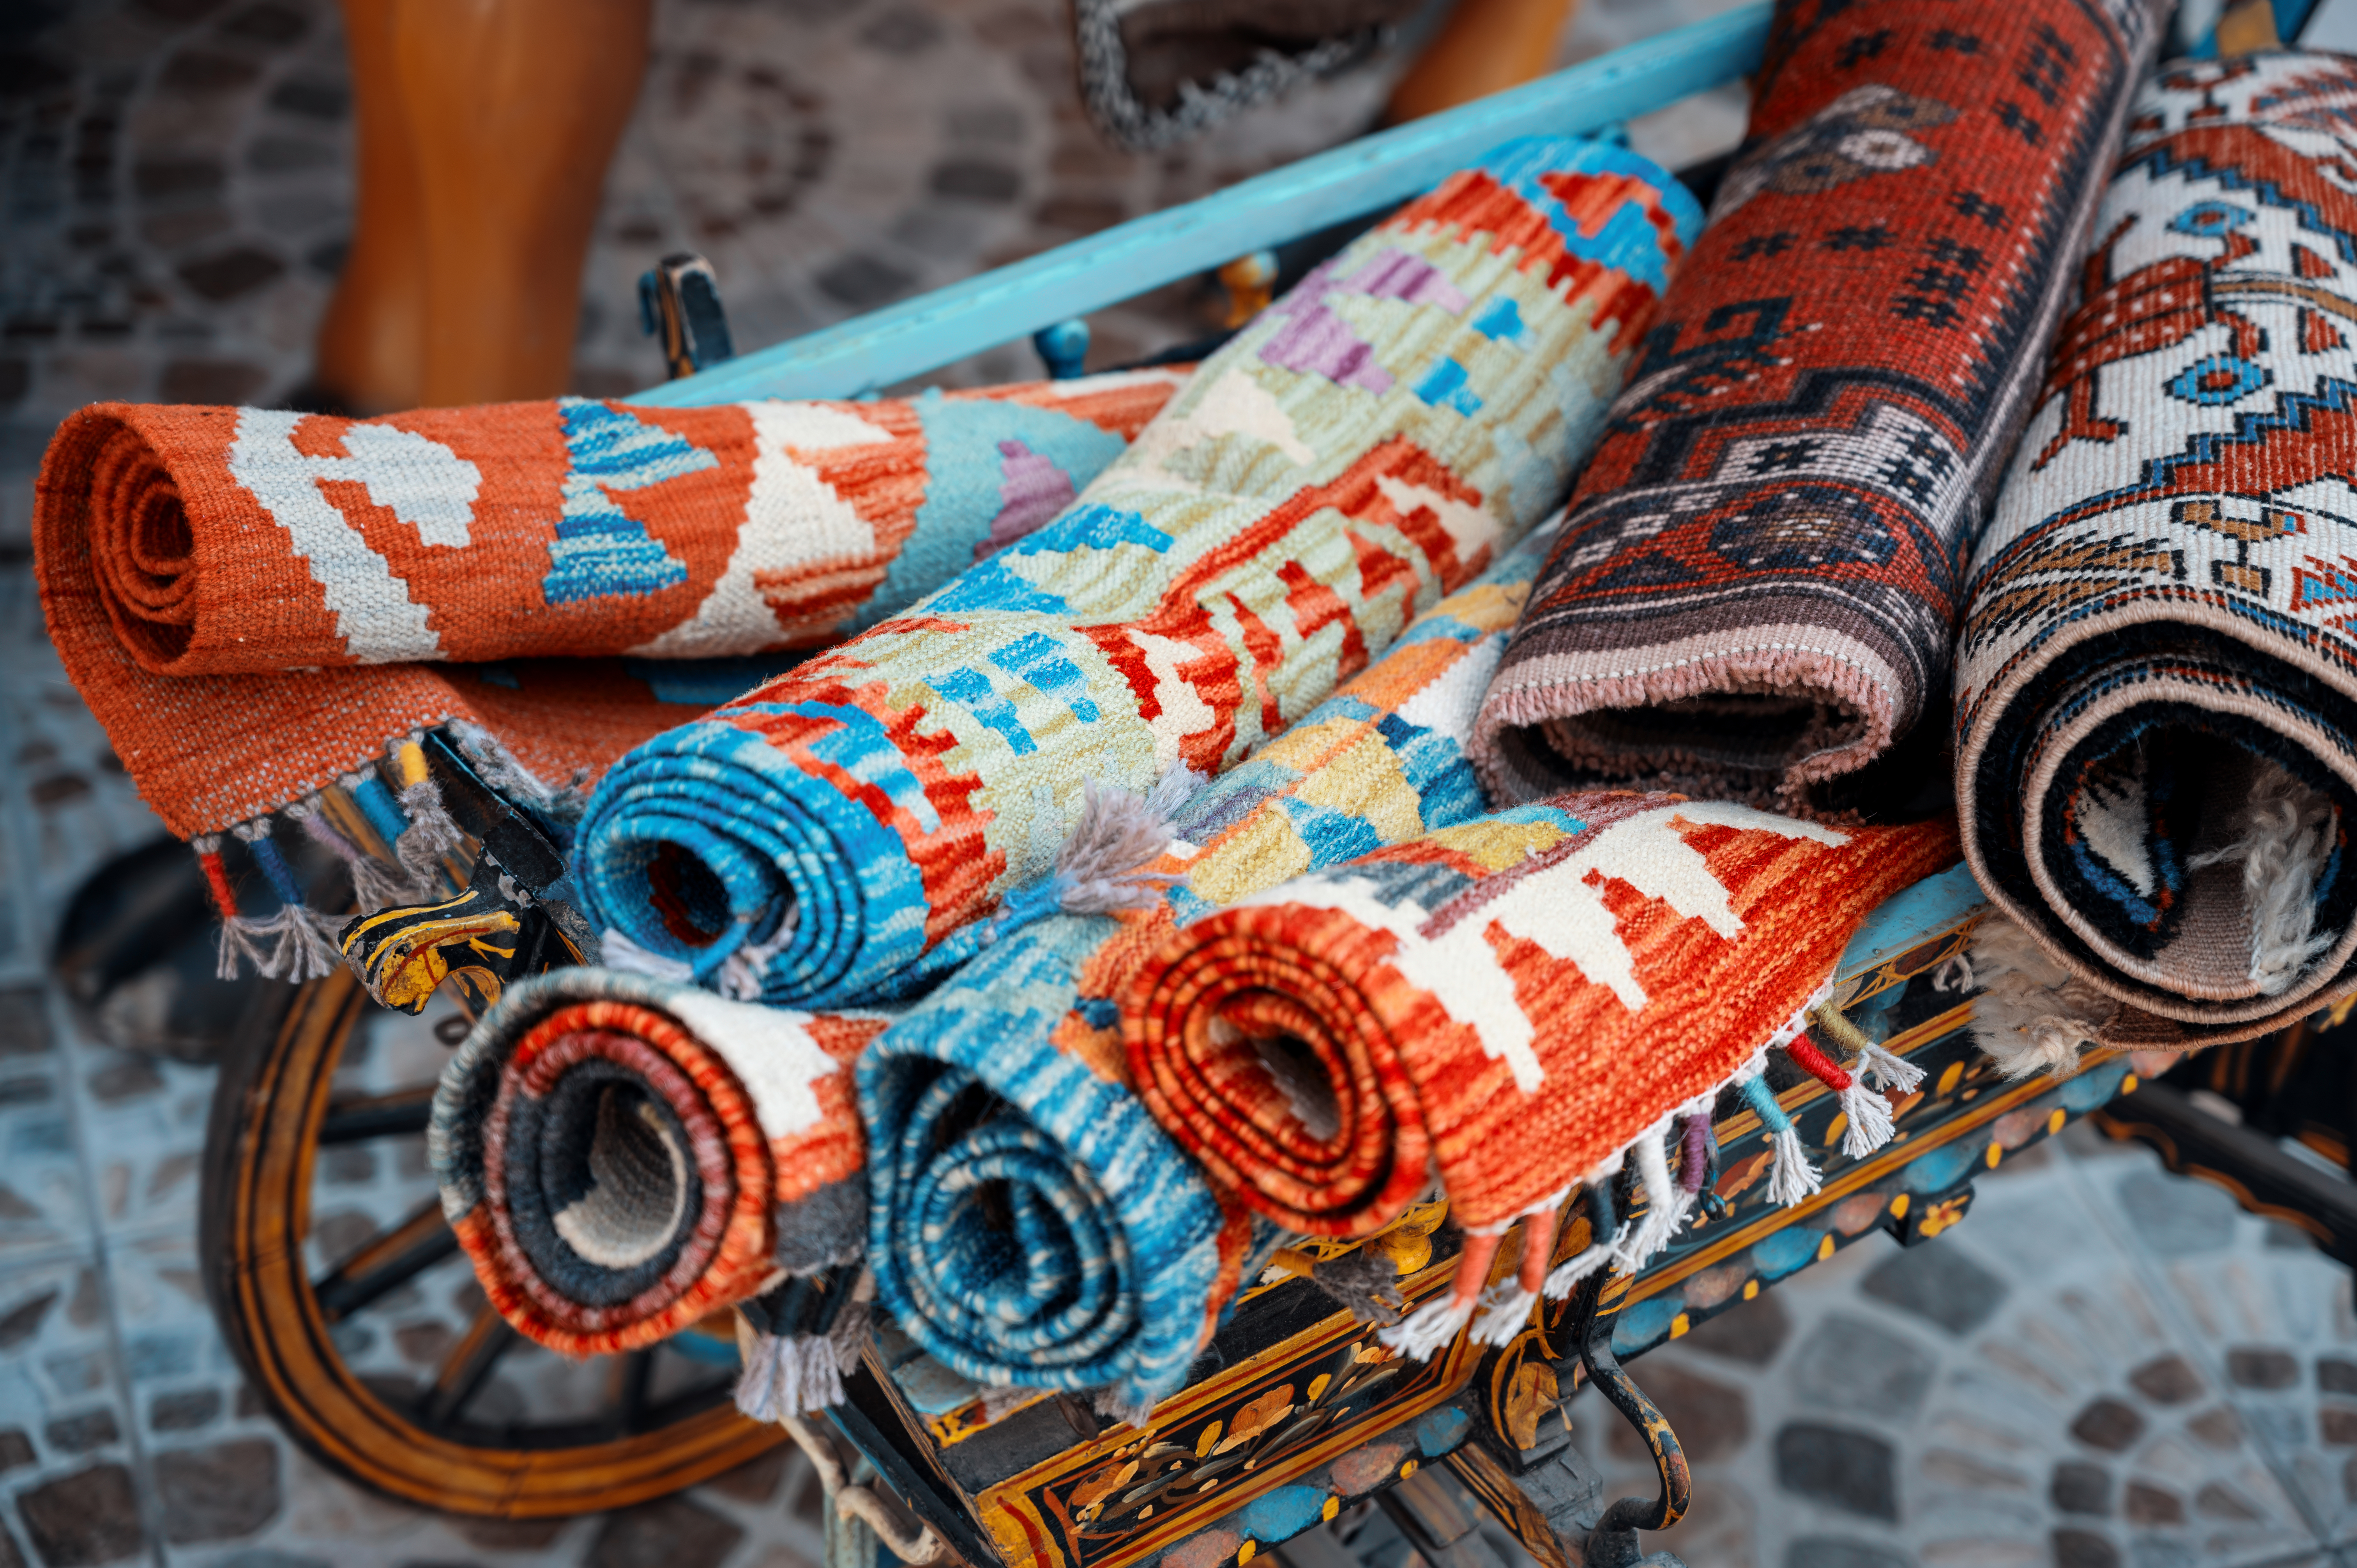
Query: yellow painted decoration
[
  {"x": 1949, "y": 1076},
  {"x": 1332, "y": 1507},
  {"x": 1825, "y": 1248},
  {"x": 2056, "y": 1122},
  {"x": 1407, "y": 1469},
  {"x": 1996, "y": 1153},
  {"x": 2128, "y": 1084},
  {"x": 1751, "y": 1290},
  {"x": 1243, "y": 1553},
  {"x": 1318, "y": 1385},
  {"x": 1899, "y": 1207},
  {"x": 1835, "y": 1128},
  {"x": 1409, "y": 1251},
  {"x": 1208, "y": 1441},
  {"x": 1681, "y": 1323}
]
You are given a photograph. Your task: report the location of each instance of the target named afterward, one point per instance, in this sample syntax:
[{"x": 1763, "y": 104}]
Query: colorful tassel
[
  {"x": 1605, "y": 1233},
  {"x": 1885, "y": 1068},
  {"x": 431, "y": 833},
  {"x": 1506, "y": 1305},
  {"x": 1435, "y": 1324},
  {"x": 1868, "y": 1114},
  {"x": 1790, "y": 1178},
  {"x": 1666, "y": 1203},
  {"x": 375, "y": 886},
  {"x": 238, "y": 935},
  {"x": 300, "y": 949},
  {"x": 376, "y": 805}
]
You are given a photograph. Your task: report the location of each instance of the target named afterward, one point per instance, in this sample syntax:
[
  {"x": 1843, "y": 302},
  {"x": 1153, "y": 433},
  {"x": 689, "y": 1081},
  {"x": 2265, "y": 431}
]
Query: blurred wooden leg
[
  {"x": 1483, "y": 47},
  {"x": 486, "y": 128},
  {"x": 371, "y": 347}
]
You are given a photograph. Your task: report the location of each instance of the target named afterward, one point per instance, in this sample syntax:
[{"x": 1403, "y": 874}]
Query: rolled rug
[
  {"x": 2157, "y": 685},
  {"x": 1116, "y": 1259},
  {"x": 621, "y": 1157},
  {"x": 225, "y": 587},
  {"x": 860, "y": 827},
  {"x": 1757, "y": 591},
  {"x": 239, "y": 540},
  {"x": 1513, "y": 1005}
]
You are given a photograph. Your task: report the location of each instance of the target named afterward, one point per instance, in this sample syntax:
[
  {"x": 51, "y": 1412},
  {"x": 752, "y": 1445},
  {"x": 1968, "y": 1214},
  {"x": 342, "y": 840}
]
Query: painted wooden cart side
[
  {"x": 889, "y": 346},
  {"x": 1309, "y": 1413}
]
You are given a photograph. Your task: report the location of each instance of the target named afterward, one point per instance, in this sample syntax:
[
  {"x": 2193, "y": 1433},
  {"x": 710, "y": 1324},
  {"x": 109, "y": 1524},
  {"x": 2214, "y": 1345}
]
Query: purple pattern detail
[
  {"x": 1032, "y": 491},
  {"x": 1315, "y": 340},
  {"x": 1396, "y": 274}
]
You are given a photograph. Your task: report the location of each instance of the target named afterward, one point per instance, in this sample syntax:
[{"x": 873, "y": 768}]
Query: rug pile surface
[
  {"x": 2156, "y": 698},
  {"x": 1758, "y": 590},
  {"x": 859, "y": 827}
]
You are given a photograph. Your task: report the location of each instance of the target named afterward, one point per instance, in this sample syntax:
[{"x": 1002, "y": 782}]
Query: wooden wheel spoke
[
  {"x": 468, "y": 1368},
  {"x": 355, "y": 1118},
  {"x": 390, "y": 1259}
]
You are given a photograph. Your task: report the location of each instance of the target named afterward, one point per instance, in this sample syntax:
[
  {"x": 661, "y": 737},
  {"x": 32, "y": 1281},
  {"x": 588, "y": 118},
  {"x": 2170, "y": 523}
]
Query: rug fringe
[
  {"x": 1505, "y": 1312},
  {"x": 1430, "y": 1328},
  {"x": 375, "y": 885},
  {"x": 431, "y": 833},
  {"x": 800, "y": 1374},
  {"x": 2032, "y": 1015},
  {"x": 1099, "y": 868}
]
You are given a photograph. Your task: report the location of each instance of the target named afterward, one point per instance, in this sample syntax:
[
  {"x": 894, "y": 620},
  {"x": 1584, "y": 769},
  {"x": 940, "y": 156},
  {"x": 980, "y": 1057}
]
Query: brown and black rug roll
[{"x": 1757, "y": 589}]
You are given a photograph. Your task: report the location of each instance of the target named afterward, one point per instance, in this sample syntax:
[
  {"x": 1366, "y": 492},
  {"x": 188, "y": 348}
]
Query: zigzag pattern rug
[
  {"x": 1510, "y": 1005},
  {"x": 2158, "y": 685},
  {"x": 1143, "y": 1258},
  {"x": 869, "y": 822},
  {"x": 253, "y": 602},
  {"x": 1757, "y": 589}
]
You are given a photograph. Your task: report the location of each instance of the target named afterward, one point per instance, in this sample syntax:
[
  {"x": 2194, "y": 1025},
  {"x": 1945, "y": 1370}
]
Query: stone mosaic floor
[{"x": 2105, "y": 1365}]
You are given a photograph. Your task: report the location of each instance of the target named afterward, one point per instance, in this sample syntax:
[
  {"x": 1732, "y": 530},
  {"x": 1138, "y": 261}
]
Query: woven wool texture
[
  {"x": 189, "y": 558},
  {"x": 1509, "y": 1003},
  {"x": 621, "y": 1157},
  {"x": 235, "y": 541},
  {"x": 2157, "y": 684},
  {"x": 1359, "y": 450},
  {"x": 1757, "y": 589},
  {"x": 1123, "y": 1286}
]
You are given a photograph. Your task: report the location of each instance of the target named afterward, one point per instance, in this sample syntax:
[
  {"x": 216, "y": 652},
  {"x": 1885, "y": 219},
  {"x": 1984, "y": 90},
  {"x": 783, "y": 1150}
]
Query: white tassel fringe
[
  {"x": 1430, "y": 1328},
  {"x": 1869, "y": 1120},
  {"x": 1790, "y": 1178}
]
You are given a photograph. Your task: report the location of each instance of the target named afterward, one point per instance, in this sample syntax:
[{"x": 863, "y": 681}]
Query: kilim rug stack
[
  {"x": 621, "y": 1157},
  {"x": 860, "y": 827},
  {"x": 1125, "y": 1292},
  {"x": 1513, "y": 1006},
  {"x": 2158, "y": 685},
  {"x": 256, "y": 603},
  {"x": 1756, "y": 593}
]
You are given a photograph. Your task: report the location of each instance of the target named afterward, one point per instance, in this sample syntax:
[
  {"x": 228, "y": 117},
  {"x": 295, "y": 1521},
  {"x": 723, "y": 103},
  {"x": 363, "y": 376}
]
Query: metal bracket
[{"x": 1613, "y": 1542}]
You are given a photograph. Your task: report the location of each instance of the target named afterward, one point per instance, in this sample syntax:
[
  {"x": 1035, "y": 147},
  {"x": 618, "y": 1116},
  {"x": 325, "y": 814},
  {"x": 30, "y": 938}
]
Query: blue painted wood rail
[{"x": 891, "y": 345}]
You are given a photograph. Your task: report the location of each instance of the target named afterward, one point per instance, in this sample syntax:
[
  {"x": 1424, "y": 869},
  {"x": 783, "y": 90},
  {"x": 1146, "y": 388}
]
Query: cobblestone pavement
[
  {"x": 2105, "y": 1366},
  {"x": 175, "y": 186}
]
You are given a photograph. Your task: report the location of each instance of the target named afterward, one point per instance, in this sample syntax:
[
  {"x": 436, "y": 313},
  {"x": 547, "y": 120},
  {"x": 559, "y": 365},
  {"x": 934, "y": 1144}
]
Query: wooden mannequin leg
[
  {"x": 1483, "y": 47},
  {"x": 485, "y": 130}
]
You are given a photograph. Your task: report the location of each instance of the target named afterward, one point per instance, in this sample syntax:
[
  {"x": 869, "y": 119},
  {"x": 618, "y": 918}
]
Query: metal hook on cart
[
  {"x": 1613, "y": 1542},
  {"x": 845, "y": 1502}
]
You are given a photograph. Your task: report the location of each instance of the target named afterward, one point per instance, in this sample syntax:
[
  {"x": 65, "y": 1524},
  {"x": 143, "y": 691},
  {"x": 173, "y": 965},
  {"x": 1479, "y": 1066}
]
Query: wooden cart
[{"x": 1296, "y": 1411}]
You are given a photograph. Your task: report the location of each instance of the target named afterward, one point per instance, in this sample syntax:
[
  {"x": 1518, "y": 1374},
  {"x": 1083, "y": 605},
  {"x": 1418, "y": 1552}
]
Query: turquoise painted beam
[{"x": 908, "y": 339}]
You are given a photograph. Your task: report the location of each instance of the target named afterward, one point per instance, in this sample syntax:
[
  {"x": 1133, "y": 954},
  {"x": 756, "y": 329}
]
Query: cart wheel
[{"x": 354, "y": 1314}]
